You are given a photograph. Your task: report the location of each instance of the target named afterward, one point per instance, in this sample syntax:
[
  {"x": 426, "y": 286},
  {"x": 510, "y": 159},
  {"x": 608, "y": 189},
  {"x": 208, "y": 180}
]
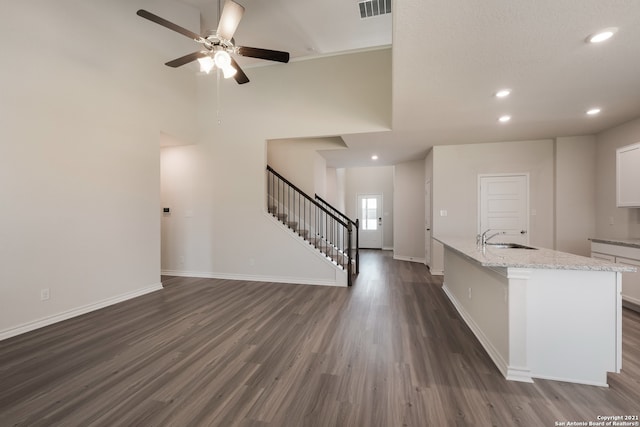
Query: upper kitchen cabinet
[{"x": 628, "y": 176}]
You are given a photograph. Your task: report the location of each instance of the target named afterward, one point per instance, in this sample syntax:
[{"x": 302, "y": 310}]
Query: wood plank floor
[{"x": 390, "y": 351}]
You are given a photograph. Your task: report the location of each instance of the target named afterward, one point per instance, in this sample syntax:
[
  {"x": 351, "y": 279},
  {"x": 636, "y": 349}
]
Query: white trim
[
  {"x": 436, "y": 272},
  {"x": 572, "y": 380},
  {"x": 631, "y": 300},
  {"x": 74, "y": 312},
  {"x": 409, "y": 258},
  {"x": 387, "y": 248},
  {"x": 255, "y": 278},
  {"x": 509, "y": 372}
]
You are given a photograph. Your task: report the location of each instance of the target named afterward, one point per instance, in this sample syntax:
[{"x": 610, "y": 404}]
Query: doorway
[
  {"x": 369, "y": 214},
  {"x": 504, "y": 206}
]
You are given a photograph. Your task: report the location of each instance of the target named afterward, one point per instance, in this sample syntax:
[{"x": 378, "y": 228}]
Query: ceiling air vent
[{"x": 372, "y": 8}]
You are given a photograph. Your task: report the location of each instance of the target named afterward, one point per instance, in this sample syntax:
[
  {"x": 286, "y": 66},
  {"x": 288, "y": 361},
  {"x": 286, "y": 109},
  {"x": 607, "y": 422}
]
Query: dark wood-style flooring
[{"x": 390, "y": 351}]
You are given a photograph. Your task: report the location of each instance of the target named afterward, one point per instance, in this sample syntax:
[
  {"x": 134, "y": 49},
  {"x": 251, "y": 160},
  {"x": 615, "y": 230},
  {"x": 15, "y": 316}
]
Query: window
[{"x": 369, "y": 213}]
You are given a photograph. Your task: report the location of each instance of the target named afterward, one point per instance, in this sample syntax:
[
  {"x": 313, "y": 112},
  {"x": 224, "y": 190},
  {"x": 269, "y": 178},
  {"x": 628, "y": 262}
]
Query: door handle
[
  {"x": 380, "y": 221},
  {"x": 523, "y": 232}
]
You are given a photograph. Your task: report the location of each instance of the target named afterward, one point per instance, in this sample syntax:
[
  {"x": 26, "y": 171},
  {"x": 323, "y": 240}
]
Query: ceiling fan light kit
[{"x": 218, "y": 46}]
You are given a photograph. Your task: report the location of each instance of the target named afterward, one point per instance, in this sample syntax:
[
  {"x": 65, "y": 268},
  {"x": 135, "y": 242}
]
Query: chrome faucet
[{"x": 484, "y": 239}]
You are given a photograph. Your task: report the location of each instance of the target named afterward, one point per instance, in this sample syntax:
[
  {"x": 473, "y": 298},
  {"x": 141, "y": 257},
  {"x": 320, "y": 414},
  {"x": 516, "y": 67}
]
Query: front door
[
  {"x": 370, "y": 217},
  {"x": 504, "y": 207}
]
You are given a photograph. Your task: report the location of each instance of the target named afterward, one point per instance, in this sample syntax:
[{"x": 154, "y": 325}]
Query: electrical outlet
[{"x": 44, "y": 294}]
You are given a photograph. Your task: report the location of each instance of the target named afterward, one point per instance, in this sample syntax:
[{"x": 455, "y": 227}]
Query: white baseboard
[
  {"x": 387, "y": 248},
  {"x": 74, "y": 312},
  {"x": 408, "y": 258},
  {"x": 512, "y": 373},
  {"x": 256, "y": 278},
  {"x": 436, "y": 272}
]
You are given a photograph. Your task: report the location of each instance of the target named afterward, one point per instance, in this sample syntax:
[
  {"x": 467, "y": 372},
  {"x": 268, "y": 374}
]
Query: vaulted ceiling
[{"x": 450, "y": 57}]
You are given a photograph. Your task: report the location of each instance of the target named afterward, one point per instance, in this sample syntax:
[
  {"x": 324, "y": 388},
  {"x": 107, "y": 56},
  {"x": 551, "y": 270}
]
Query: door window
[{"x": 369, "y": 213}]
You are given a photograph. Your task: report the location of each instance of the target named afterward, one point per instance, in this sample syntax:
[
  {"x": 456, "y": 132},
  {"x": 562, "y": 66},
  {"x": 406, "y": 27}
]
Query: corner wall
[
  {"x": 80, "y": 156},
  {"x": 408, "y": 208},
  {"x": 611, "y": 221},
  {"x": 575, "y": 203}
]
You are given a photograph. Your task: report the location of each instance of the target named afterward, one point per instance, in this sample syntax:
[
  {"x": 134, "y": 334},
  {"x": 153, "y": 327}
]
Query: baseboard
[
  {"x": 256, "y": 278},
  {"x": 409, "y": 258},
  {"x": 512, "y": 373},
  {"x": 387, "y": 248},
  {"x": 65, "y": 315},
  {"x": 631, "y": 303},
  {"x": 436, "y": 272}
]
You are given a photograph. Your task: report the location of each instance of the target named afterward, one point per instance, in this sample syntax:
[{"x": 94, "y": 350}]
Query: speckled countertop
[
  {"x": 632, "y": 243},
  {"x": 528, "y": 258}
]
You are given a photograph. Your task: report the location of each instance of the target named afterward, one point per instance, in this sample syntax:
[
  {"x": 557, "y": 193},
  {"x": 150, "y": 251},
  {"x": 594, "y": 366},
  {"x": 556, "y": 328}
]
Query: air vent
[{"x": 371, "y": 8}]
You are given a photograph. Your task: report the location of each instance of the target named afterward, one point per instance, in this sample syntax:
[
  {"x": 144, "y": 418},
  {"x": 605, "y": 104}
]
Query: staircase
[{"x": 313, "y": 219}]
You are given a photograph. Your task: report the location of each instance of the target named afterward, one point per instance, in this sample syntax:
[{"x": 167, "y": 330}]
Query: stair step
[
  {"x": 281, "y": 216},
  {"x": 293, "y": 224}
]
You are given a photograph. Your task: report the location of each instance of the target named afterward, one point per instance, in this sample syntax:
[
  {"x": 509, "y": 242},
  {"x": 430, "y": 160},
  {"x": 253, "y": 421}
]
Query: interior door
[
  {"x": 370, "y": 217},
  {"x": 427, "y": 222},
  {"x": 504, "y": 207}
]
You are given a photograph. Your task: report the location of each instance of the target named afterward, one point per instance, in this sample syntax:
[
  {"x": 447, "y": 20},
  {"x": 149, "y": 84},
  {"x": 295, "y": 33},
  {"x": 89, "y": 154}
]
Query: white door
[
  {"x": 427, "y": 222},
  {"x": 504, "y": 207},
  {"x": 370, "y": 217}
]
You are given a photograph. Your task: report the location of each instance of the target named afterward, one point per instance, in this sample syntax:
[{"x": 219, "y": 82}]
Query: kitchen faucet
[{"x": 484, "y": 239}]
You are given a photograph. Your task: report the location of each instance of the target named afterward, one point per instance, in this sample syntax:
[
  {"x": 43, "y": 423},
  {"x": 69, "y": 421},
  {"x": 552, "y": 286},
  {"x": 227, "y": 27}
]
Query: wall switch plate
[
  {"x": 443, "y": 212},
  {"x": 44, "y": 294}
]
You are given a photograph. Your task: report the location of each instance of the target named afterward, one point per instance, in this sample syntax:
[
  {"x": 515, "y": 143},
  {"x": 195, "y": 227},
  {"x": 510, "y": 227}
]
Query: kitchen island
[{"x": 539, "y": 313}]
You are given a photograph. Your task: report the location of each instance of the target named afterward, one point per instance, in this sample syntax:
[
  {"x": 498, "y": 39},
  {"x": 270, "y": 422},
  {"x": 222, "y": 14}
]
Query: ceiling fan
[{"x": 218, "y": 45}]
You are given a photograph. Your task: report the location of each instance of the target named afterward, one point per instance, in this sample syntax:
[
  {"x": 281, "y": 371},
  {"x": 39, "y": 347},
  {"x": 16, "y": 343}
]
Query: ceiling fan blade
[
  {"x": 178, "y": 62},
  {"x": 229, "y": 19},
  {"x": 170, "y": 25},
  {"x": 240, "y": 76},
  {"x": 271, "y": 55}
]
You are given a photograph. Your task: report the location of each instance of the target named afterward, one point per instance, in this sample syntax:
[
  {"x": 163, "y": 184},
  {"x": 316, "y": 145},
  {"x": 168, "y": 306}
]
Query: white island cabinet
[{"x": 539, "y": 313}]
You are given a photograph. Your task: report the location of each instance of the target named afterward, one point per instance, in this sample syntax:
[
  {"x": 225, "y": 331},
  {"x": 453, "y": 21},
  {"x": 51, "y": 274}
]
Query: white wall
[
  {"x": 83, "y": 105},
  {"x": 372, "y": 180},
  {"x": 233, "y": 235},
  {"x": 626, "y": 221},
  {"x": 408, "y": 211},
  {"x": 299, "y": 162},
  {"x": 575, "y": 209},
  {"x": 455, "y": 185}
]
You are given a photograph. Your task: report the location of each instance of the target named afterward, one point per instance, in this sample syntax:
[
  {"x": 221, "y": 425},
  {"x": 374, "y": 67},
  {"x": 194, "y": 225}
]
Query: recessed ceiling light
[
  {"x": 374, "y": 157},
  {"x": 601, "y": 36},
  {"x": 504, "y": 119},
  {"x": 593, "y": 111},
  {"x": 503, "y": 93}
]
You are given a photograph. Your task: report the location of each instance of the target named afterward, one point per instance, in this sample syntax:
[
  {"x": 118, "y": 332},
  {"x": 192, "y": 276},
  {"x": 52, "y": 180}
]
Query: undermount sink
[{"x": 509, "y": 246}]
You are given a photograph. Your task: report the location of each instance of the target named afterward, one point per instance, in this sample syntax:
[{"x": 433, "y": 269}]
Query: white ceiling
[{"x": 449, "y": 58}]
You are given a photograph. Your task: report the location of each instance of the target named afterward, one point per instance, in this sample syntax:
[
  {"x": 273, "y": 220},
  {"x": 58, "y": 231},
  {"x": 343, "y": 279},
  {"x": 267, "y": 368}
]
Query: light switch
[{"x": 443, "y": 212}]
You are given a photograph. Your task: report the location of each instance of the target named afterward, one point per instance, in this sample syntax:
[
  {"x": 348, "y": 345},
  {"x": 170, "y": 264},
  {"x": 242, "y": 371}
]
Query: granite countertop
[
  {"x": 632, "y": 243},
  {"x": 528, "y": 258}
]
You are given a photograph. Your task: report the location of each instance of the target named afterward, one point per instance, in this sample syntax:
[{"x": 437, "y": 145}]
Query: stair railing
[
  {"x": 345, "y": 218},
  {"x": 327, "y": 232}
]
